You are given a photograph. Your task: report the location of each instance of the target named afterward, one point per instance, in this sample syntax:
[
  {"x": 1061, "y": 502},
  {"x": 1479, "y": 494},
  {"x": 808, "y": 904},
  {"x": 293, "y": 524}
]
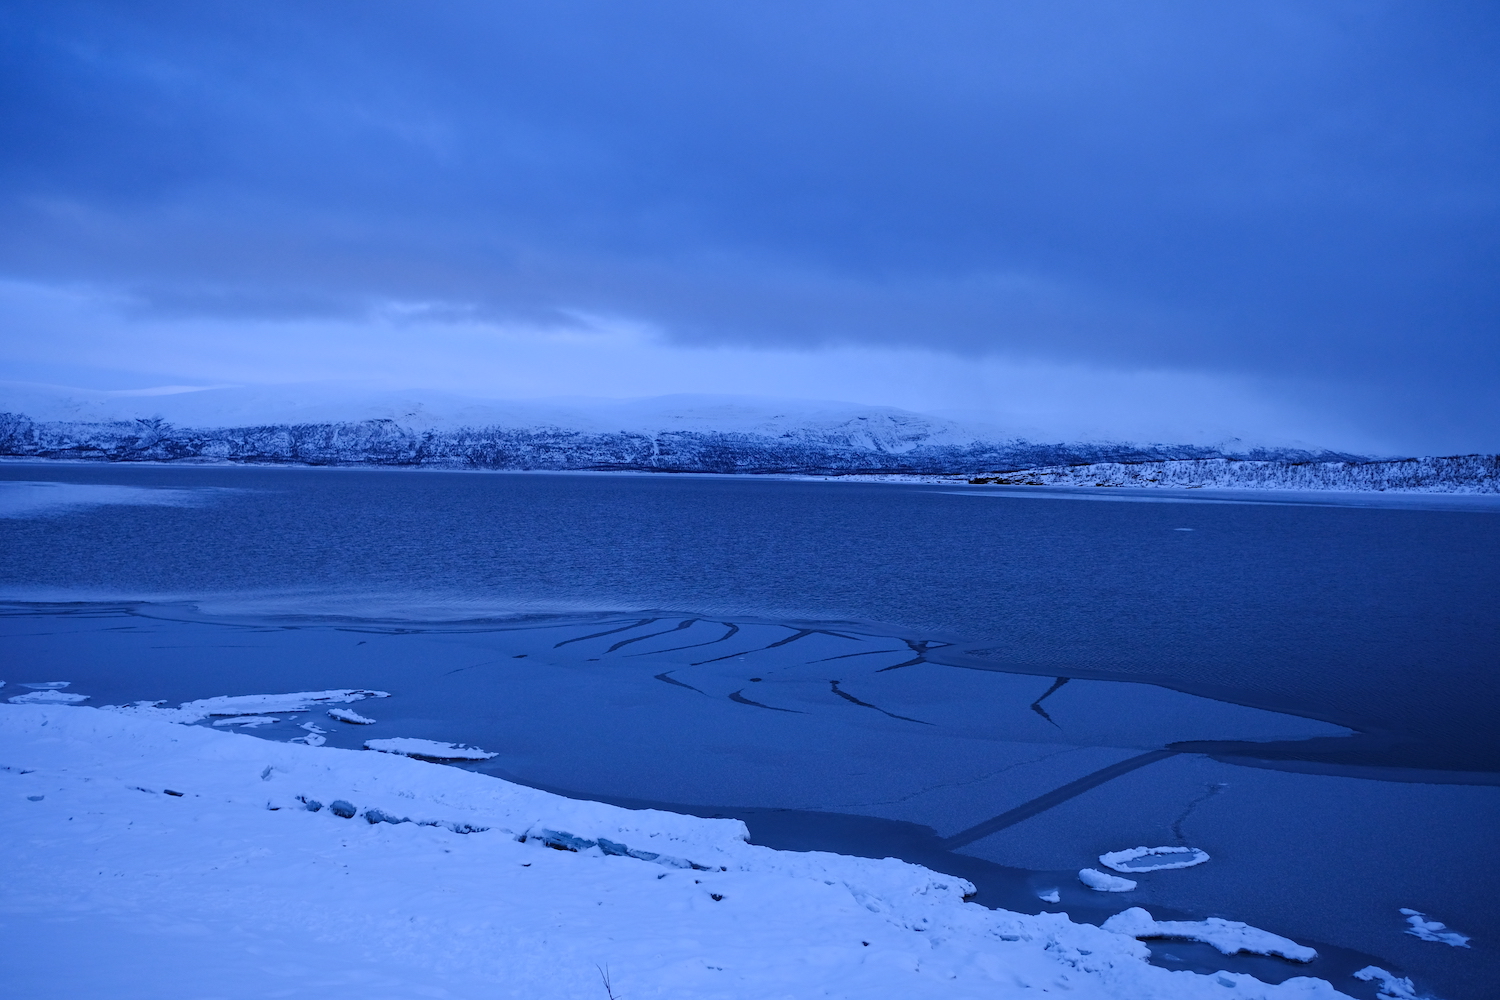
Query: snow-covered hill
[{"x": 317, "y": 425}]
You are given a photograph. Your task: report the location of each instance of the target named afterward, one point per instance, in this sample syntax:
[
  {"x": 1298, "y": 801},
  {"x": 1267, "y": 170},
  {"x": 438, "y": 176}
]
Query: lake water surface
[{"x": 1000, "y": 683}]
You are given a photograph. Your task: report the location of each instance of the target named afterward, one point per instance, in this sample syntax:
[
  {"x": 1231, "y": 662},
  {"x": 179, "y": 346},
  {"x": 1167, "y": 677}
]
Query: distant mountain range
[{"x": 306, "y": 426}]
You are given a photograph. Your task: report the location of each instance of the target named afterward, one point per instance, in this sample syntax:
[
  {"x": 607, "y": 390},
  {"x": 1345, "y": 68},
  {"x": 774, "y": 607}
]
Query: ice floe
[
  {"x": 247, "y": 721},
  {"x": 1228, "y": 936},
  {"x": 1050, "y": 896},
  {"x": 427, "y": 749},
  {"x": 448, "y": 886},
  {"x": 1421, "y": 927},
  {"x": 316, "y": 735},
  {"x": 1391, "y": 986},
  {"x": 246, "y": 704},
  {"x": 1095, "y": 879},
  {"x": 1143, "y": 859},
  {"x": 350, "y": 716},
  {"x": 47, "y": 696},
  {"x": 44, "y": 685}
]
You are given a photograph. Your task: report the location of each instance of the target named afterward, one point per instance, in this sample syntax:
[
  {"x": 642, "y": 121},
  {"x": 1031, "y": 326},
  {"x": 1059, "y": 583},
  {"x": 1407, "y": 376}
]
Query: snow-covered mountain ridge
[
  {"x": 318, "y": 425},
  {"x": 858, "y": 445}
]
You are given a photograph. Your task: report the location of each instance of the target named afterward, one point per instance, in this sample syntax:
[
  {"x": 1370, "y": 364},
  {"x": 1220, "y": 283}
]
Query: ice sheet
[
  {"x": 248, "y": 704},
  {"x": 427, "y": 749},
  {"x": 47, "y": 697}
]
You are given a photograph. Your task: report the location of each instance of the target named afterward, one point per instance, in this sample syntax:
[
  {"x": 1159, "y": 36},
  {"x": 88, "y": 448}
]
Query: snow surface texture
[
  {"x": 247, "y": 704},
  {"x": 1421, "y": 927},
  {"x": 434, "y": 881},
  {"x": 1148, "y": 859},
  {"x": 427, "y": 749},
  {"x": 1228, "y": 936},
  {"x": 1104, "y": 882},
  {"x": 1458, "y": 474}
]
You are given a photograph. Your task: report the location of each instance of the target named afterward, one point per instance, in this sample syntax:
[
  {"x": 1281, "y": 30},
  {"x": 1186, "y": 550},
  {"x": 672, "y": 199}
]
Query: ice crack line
[
  {"x": 1056, "y": 797},
  {"x": 686, "y": 623},
  {"x": 1213, "y": 789},
  {"x": 921, "y": 648},
  {"x": 800, "y": 634},
  {"x": 740, "y": 697},
  {"x": 733, "y": 628},
  {"x": 1036, "y": 706},
  {"x": 596, "y": 635},
  {"x": 849, "y": 697},
  {"x": 667, "y": 678},
  {"x": 966, "y": 782}
]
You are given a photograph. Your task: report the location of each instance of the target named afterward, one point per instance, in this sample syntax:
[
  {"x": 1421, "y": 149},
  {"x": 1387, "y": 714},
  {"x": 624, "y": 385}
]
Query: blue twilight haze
[{"x": 1270, "y": 218}]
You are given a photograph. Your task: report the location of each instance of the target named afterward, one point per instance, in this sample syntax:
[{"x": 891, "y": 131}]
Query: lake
[{"x": 1002, "y": 683}]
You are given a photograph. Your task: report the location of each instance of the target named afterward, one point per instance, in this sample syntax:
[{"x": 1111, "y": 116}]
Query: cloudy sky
[{"x": 1273, "y": 220}]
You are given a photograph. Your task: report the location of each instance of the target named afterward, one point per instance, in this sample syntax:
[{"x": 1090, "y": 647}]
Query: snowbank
[
  {"x": 440, "y": 882},
  {"x": 1229, "y": 936}
]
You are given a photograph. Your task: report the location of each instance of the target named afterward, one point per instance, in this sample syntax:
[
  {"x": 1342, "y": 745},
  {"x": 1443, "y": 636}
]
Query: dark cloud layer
[{"x": 1270, "y": 188}]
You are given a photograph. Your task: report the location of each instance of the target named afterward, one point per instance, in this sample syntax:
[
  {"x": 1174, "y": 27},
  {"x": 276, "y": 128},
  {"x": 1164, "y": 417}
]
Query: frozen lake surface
[{"x": 1000, "y": 684}]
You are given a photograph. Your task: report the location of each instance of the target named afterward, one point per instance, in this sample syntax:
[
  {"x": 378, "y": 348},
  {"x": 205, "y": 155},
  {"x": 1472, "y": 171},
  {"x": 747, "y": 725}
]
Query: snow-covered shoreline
[{"x": 437, "y": 881}]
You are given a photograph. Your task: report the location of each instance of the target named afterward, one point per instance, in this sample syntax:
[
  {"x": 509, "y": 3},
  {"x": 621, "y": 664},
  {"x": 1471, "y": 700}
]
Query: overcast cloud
[{"x": 1270, "y": 219}]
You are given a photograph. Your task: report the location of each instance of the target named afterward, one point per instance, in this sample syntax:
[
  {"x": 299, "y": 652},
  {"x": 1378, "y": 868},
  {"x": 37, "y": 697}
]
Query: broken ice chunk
[
  {"x": 48, "y": 697},
  {"x": 248, "y": 721},
  {"x": 350, "y": 716},
  {"x": 428, "y": 749},
  {"x": 1228, "y": 936},
  {"x": 1392, "y": 986},
  {"x": 45, "y": 685},
  {"x": 1149, "y": 859},
  {"x": 248, "y": 704},
  {"x": 1050, "y": 896},
  {"x": 1421, "y": 927},
  {"x": 1095, "y": 879},
  {"x": 315, "y": 735}
]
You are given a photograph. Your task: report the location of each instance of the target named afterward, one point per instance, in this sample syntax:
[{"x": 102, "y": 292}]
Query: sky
[{"x": 1278, "y": 221}]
